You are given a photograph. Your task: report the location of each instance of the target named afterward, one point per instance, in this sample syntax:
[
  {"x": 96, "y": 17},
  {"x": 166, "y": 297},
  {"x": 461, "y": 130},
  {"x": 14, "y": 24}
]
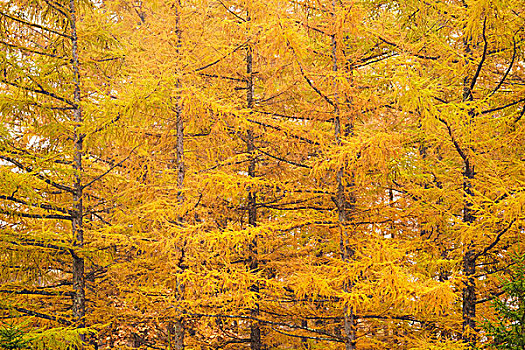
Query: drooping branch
[
  {"x": 298, "y": 137},
  {"x": 42, "y": 315},
  {"x": 306, "y": 78},
  {"x": 330, "y": 102},
  {"x": 40, "y": 91},
  {"x": 36, "y": 216},
  {"x": 25, "y": 49},
  {"x": 35, "y": 292},
  {"x": 55, "y": 6},
  {"x": 42, "y": 205},
  {"x": 37, "y": 175},
  {"x": 34, "y": 25},
  {"x": 231, "y": 12}
]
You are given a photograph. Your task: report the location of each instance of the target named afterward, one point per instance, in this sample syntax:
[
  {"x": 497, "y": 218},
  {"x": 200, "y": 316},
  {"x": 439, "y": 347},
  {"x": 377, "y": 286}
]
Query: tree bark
[
  {"x": 176, "y": 334},
  {"x": 79, "y": 299},
  {"x": 255, "y": 328},
  {"x": 178, "y": 326},
  {"x": 469, "y": 257},
  {"x": 178, "y": 112},
  {"x": 349, "y": 321},
  {"x": 469, "y": 266}
]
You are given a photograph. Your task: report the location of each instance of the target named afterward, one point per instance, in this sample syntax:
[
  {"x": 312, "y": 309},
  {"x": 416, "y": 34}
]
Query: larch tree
[
  {"x": 247, "y": 174},
  {"x": 57, "y": 75},
  {"x": 461, "y": 62}
]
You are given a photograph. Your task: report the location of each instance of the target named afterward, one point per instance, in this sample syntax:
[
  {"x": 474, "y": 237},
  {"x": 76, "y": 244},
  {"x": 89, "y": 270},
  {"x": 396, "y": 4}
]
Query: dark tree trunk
[
  {"x": 349, "y": 321},
  {"x": 79, "y": 299},
  {"x": 469, "y": 266},
  {"x": 469, "y": 257},
  {"x": 255, "y": 328}
]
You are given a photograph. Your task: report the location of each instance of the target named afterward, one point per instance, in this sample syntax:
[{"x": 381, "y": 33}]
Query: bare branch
[
  {"x": 282, "y": 159},
  {"x": 460, "y": 151},
  {"x": 36, "y": 292},
  {"x": 413, "y": 54},
  {"x": 233, "y": 13}
]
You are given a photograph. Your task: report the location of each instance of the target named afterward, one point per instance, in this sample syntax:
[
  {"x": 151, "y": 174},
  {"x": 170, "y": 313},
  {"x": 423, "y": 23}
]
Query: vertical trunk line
[
  {"x": 469, "y": 257},
  {"x": 178, "y": 325},
  {"x": 180, "y": 148},
  {"x": 469, "y": 265},
  {"x": 255, "y": 328},
  {"x": 349, "y": 321},
  {"x": 79, "y": 299},
  {"x": 178, "y": 112}
]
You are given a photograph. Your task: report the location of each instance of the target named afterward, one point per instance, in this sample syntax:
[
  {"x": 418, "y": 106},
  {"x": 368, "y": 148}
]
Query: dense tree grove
[{"x": 279, "y": 174}]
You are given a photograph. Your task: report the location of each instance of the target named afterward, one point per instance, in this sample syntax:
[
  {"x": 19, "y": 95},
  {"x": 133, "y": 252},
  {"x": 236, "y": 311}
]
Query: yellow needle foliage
[{"x": 230, "y": 174}]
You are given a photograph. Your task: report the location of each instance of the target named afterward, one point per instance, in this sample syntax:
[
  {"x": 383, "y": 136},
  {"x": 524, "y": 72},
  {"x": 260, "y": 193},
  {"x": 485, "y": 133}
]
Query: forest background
[{"x": 280, "y": 174}]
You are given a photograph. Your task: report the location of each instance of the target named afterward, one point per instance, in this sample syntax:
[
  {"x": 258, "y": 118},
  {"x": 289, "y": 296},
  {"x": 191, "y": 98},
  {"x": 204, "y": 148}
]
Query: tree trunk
[
  {"x": 176, "y": 334},
  {"x": 349, "y": 321},
  {"x": 79, "y": 299},
  {"x": 469, "y": 257},
  {"x": 178, "y": 325},
  {"x": 469, "y": 267},
  {"x": 255, "y": 329}
]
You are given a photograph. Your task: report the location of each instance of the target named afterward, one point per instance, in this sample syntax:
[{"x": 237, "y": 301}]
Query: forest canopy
[{"x": 279, "y": 174}]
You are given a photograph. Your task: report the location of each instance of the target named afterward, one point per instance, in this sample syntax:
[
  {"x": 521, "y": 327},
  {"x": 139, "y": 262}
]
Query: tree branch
[
  {"x": 34, "y": 25},
  {"x": 282, "y": 159},
  {"x": 223, "y": 57},
  {"x": 109, "y": 170},
  {"x": 496, "y": 241},
  {"x": 307, "y": 337},
  {"x": 507, "y": 72},
  {"x": 286, "y": 133},
  {"x": 43, "y": 206},
  {"x": 32, "y": 51},
  {"x": 41, "y": 315},
  {"x": 38, "y": 176},
  {"x": 503, "y": 107},
  {"x": 36, "y": 292},
  {"x": 460, "y": 151},
  {"x": 484, "y": 55},
  {"x": 41, "y": 91},
  {"x": 37, "y": 216},
  {"x": 413, "y": 54}
]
